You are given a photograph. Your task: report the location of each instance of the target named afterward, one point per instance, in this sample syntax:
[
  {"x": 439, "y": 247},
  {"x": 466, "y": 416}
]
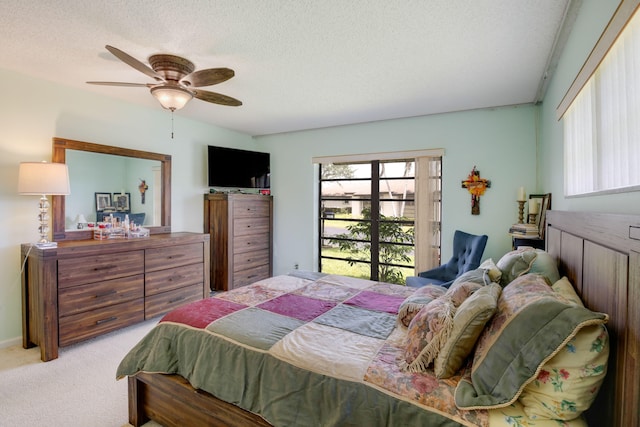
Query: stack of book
[{"x": 528, "y": 230}]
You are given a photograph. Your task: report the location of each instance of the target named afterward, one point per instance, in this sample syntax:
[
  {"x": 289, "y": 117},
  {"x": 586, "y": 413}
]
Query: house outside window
[{"x": 367, "y": 217}]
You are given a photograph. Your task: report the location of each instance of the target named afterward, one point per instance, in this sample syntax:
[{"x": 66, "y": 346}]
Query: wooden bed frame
[{"x": 599, "y": 253}]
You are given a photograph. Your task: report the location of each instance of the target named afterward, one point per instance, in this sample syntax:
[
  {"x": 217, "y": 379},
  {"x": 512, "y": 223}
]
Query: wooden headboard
[{"x": 600, "y": 254}]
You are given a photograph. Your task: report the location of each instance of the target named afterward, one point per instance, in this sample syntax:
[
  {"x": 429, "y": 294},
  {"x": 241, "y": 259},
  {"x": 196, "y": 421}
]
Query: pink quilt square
[
  {"x": 298, "y": 306},
  {"x": 200, "y": 313},
  {"x": 376, "y": 301}
]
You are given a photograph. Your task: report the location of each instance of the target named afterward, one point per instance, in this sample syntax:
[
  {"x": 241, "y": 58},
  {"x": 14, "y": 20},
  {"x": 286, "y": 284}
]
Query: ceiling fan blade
[
  {"x": 123, "y": 84},
  {"x": 216, "y": 98},
  {"x": 133, "y": 62},
  {"x": 208, "y": 77}
]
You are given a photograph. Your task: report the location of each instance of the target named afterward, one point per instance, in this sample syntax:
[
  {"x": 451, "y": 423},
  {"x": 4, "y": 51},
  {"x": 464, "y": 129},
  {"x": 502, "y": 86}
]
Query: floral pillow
[
  {"x": 430, "y": 327},
  {"x": 532, "y": 324},
  {"x": 414, "y": 303},
  {"x": 568, "y": 383}
]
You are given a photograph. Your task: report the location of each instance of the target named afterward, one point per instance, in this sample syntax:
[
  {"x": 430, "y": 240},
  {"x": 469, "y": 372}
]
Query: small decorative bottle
[{"x": 126, "y": 225}]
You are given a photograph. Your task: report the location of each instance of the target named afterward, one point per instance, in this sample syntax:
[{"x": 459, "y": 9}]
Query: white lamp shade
[
  {"x": 171, "y": 97},
  {"x": 81, "y": 219},
  {"x": 40, "y": 178}
]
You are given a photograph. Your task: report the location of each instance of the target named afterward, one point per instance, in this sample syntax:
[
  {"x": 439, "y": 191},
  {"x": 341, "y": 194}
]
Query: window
[
  {"x": 602, "y": 123},
  {"x": 369, "y": 226}
]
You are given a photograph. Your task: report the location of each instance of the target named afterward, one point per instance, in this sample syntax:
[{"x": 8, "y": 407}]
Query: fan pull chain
[{"x": 171, "y": 124}]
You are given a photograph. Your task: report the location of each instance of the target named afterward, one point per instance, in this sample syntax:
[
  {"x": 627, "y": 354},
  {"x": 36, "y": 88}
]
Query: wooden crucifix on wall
[
  {"x": 143, "y": 187},
  {"x": 476, "y": 186}
]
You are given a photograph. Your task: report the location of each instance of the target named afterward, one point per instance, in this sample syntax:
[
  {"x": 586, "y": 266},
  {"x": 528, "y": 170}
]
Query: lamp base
[{"x": 521, "y": 211}]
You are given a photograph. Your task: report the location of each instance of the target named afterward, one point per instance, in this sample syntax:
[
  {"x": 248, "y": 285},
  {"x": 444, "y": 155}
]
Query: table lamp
[{"x": 43, "y": 179}]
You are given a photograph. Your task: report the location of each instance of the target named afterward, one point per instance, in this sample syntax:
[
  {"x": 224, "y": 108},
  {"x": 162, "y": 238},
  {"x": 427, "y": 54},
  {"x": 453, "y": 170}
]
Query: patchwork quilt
[{"x": 300, "y": 350}]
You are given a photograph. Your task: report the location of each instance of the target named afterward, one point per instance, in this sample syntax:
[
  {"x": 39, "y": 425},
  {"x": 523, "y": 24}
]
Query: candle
[
  {"x": 521, "y": 194},
  {"x": 533, "y": 206}
]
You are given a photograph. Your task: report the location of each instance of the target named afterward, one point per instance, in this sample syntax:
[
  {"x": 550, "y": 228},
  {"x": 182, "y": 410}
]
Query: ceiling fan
[{"x": 176, "y": 80}]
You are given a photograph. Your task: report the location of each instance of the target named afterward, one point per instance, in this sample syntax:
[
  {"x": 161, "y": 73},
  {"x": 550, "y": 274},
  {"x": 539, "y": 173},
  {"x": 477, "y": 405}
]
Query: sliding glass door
[{"x": 367, "y": 219}]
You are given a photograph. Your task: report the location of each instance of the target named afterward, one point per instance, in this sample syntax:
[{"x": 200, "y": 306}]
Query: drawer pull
[
  {"x": 104, "y": 294},
  {"x": 104, "y": 267},
  {"x": 251, "y": 276},
  {"x": 108, "y": 319},
  {"x": 176, "y": 300}
]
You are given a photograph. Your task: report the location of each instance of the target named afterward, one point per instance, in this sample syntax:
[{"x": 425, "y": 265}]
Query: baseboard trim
[{"x": 11, "y": 342}]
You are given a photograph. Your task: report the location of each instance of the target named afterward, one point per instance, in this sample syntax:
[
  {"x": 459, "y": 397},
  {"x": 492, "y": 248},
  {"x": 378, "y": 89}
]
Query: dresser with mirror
[{"x": 87, "y": 287}]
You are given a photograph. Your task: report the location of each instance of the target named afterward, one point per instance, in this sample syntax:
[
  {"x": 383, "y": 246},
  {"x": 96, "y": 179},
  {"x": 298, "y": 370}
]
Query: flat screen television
[{"x": 235, "y": 168}]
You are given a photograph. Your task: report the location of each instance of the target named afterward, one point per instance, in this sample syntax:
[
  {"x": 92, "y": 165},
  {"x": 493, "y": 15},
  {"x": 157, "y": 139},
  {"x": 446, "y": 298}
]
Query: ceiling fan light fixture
[
  {"x": 174, "y": 77},
  {"x": 171, "y": 97}
]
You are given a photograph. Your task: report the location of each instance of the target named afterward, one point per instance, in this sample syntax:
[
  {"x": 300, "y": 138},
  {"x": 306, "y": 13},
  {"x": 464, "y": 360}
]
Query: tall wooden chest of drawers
[
  {"x": 86, "y": 288},
  {"x": 241, "y": 229}
]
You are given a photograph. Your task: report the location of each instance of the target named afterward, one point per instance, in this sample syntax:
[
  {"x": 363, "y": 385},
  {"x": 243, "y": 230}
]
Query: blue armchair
[{"x": 467, "y": 255}]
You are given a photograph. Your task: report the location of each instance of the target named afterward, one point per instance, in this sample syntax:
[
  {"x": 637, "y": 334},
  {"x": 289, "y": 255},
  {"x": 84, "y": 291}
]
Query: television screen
[{"x": 232, "y": 167}]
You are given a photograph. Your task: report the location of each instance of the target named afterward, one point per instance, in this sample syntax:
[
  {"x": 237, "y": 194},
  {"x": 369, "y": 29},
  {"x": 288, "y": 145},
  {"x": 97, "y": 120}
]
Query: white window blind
[{"x": 602, "y": 125}]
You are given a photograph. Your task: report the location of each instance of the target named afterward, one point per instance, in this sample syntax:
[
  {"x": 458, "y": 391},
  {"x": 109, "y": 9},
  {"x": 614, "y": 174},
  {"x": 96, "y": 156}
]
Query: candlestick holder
[
  {"x": 521, "y": 211},
  {"x": 532, "y": 218}
]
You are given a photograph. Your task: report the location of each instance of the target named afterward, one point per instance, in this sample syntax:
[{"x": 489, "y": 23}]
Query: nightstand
[{"x": 531, "y": 241}]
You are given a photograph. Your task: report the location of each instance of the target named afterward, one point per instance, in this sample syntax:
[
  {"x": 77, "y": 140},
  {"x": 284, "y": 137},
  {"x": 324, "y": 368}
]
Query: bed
[{"x": 272, "y": 372}]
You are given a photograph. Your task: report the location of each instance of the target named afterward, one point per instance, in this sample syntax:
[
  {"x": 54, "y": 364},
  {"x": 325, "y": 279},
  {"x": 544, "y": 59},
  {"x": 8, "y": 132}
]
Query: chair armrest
[{"x": 440, "y": 273}]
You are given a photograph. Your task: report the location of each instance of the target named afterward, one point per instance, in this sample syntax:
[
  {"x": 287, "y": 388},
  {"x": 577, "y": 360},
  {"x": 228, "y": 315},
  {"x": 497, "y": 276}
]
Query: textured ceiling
[{"x": 299, "y": 64}]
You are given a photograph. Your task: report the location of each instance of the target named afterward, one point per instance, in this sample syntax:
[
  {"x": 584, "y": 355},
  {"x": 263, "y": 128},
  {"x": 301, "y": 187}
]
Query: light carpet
[{"x": 77, "y": 389}]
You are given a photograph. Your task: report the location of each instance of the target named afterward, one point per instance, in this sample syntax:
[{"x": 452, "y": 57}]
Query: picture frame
[
  {"x": 122, "y": 202},
  {"x": 103, "y": 202},
  {"x": 544, "y": 204}
]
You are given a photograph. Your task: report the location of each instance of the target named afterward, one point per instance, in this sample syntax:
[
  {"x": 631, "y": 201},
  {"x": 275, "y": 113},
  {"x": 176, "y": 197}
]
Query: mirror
[{"x": 89, "y": 157}]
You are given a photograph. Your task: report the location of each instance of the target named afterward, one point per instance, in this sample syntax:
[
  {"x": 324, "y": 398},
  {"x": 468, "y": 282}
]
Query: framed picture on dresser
[
  {"x": 540, "y": 204},
  {"x": 103, "y": 202},
  {"x": 122, "y": 202}
]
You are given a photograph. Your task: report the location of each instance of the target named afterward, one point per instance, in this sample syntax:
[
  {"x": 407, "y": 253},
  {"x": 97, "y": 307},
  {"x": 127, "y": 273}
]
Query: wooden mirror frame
[{"x": 60, "y": 147}]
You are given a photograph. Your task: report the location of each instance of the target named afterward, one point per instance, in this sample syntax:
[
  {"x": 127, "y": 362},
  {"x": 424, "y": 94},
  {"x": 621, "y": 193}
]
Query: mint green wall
[
  {"x": 500, "y": 142},
  {"x": 33, "y": 111},
  {"x": 591, "y": 21}
]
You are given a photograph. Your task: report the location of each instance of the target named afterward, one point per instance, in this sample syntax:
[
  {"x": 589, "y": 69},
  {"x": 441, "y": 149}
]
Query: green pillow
[
  {"x": 479, "y": 276},
  {"x": 515, "y": 263},
  {"x": 545, "y": 265},
  {"x": 527, "y": 260},
  {"x": 468, "y": 323},
  {"x": 531, "y": 324}
]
